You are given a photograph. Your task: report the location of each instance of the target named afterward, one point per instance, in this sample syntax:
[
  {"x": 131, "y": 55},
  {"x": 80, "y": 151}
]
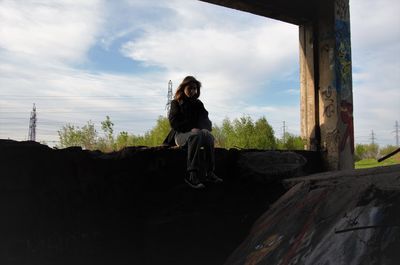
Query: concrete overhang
[
  {"x": 326, "y": 89},
  {"x": 292, "y": 11}
]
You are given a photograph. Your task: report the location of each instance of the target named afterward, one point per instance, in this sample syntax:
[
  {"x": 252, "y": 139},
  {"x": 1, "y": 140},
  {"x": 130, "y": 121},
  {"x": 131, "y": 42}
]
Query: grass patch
[{"x": 368, "y": 163}]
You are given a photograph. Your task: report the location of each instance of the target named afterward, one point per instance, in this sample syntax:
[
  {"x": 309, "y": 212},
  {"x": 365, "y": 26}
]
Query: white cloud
[
  {"x": 230, "y": 50},
  {"x": 44, "y": 31},
  {"x": 235, "y": 54},
  {"x": 249, "y": 53},
  {"x": 376, "y": 68},
  {"x": 72, "y": 96},
  {"x": 374, "y": 23}
]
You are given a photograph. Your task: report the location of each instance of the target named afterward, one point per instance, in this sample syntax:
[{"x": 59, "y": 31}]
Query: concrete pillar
[
  {"x": 326, "y": 84},
  {"x": 308, "y": 95}
]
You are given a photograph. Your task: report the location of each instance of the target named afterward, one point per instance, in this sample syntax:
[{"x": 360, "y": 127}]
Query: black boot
[
  {"x": 193, "y": 181},
  {"x": 211, "y": 177}
]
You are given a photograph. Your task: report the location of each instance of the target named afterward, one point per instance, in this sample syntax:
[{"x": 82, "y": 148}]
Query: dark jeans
[{"x": 193, "y": 141}]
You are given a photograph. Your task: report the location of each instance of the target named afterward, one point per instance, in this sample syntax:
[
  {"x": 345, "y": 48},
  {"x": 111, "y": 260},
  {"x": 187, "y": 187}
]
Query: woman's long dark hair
[{"x": 180, "y": 92}]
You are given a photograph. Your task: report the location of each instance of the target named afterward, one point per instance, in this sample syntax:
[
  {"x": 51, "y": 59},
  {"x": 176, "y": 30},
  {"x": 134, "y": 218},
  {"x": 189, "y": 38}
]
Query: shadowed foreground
[
  {"x": 131, "y": 207},
  {"x": 72, "y": 206}
]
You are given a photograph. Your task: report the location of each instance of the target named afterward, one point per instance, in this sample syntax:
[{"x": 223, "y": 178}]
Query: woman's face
[{"x": 191, "y": 90}]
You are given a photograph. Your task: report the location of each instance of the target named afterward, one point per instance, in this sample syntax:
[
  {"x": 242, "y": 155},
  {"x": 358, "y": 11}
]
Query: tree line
[
  {"x": 372, "y": 151},
  {"x": 242, "y": 132}
]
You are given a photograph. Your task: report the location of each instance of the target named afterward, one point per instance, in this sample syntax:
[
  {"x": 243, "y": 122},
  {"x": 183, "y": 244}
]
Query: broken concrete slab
[
  {"x": 270, "y": 166},
  {"x": 340, "y": 218}
]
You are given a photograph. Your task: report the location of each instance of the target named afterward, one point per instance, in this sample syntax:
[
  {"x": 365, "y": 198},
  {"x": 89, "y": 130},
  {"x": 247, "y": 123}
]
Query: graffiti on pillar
[
  {"x": 329, "y": 108},
  {"x": 342, "y": 9},
  {"x": 343, "y": 59},
  {"x": 332, "y": 139},
  {"x": 346, "y": 113},
  {"x": 329, "y": 102},
  {"x": 343, "y": 73}
]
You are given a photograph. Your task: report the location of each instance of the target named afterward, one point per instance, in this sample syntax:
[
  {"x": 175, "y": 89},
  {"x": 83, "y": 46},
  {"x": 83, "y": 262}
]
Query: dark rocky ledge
[
  {"x": 332, "y": 218},
  {"x": 72, "y": 206}
]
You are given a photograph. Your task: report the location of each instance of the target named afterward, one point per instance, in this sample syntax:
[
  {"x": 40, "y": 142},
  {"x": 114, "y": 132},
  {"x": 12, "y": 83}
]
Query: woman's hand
[{"x": 195, "y": 130}]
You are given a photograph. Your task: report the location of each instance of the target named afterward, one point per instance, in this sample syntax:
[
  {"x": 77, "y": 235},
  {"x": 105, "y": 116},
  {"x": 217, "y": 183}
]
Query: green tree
[
  {"x": 227, "y": 135},
  {"x": 387, "y": 149},
  {"x": 89, "y": 135},
  {"x": 122, "y": 140},
  {"x": 153, "y": 137},
  {"x": 291, "y": 142},
  {"x": 243, "y": 132},
  {"x": 107, "y": 143},
  {"x": 86, "y": 137},
  {"x": 372, "y": 151},
  {"x": 359, "y": 152},
  {"x": 366, "y": 151},
  {"x": 219, "y": 137},
  {"x": 138, "y": 140},
  {"x": 156, "y": 136},
  {"x": 264, "y": 135}
]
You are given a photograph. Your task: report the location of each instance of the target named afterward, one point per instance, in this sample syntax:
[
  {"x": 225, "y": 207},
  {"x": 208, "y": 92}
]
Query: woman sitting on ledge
[{"x": 191, "y": 128}]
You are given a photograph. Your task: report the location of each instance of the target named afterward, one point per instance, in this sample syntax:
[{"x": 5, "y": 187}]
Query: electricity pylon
[{"x": 32, "y": 125}]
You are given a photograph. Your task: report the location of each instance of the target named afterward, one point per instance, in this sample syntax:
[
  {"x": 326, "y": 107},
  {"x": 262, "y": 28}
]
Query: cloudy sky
[{"x": 83, "y": 60}]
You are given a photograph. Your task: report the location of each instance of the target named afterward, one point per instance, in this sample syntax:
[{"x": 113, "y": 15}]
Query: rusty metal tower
[{"x": 32, "y": 125}]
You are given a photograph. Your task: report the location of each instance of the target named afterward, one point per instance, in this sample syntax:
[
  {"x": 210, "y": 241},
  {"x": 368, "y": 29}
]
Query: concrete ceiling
[{"x": 291, "y": 11}]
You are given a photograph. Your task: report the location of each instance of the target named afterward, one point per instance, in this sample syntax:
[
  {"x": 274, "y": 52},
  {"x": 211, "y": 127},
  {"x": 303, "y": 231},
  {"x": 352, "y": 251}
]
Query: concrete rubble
[{"x": 332, "y": 218}]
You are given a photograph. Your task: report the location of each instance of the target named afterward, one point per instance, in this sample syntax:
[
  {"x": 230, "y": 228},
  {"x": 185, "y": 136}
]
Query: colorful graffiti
[
  {"x": 310, "y": 203},
  {"x": 297, "y": 242},
  {"x": 343, "y": 59},
  {"x": 346, "y": 114},
  {"x": 343, "y": 72},
  {"x": 263, "y": 249}
]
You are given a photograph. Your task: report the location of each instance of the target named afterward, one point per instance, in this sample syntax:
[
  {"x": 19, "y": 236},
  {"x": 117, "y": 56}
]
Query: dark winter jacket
[{"x": 186, "y": 115}]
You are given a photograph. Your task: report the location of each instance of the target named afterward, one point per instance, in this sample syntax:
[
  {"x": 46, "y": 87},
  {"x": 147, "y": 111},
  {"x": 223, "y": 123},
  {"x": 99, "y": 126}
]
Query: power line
[
  {"x": 49, "y": 111},
  {"x": 22, "y": 97}
]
